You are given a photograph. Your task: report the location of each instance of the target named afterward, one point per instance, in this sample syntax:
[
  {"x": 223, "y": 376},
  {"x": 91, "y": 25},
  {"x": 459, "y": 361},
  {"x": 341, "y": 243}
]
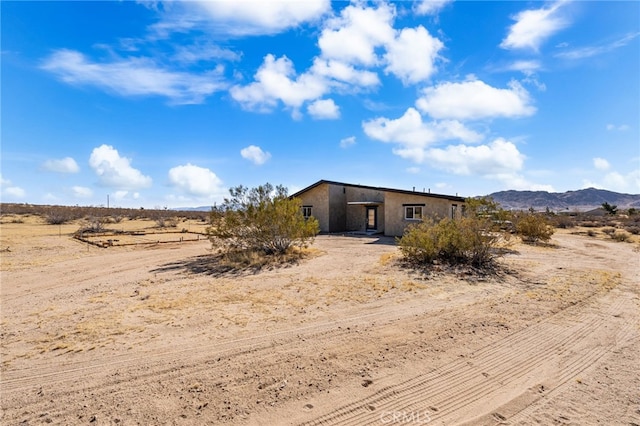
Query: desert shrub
[
  {"x": 263, "y": 219},
  {"x": 609, "y": 231},
  {"x": 621, "y": 236},
  {"x": 533, "y": 228},
  {"x": 633, "y": 229},
  {"x": 563, "y": 221},
  {"x": 454, "y": 241},
  {"x": 58, "y": 216},
  {"x": 591, "y": 233},
  {"x": 93, "y": 224},
  {"x": 166, "y": 222}
]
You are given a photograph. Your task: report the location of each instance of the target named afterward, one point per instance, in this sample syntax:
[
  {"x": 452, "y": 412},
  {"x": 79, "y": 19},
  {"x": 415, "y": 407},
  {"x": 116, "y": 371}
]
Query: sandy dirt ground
[{"x": 154, "y": 335}]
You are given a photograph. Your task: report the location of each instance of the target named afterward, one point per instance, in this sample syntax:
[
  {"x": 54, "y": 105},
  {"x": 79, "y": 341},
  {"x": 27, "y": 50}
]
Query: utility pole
[{"x": 107, "y": 200}]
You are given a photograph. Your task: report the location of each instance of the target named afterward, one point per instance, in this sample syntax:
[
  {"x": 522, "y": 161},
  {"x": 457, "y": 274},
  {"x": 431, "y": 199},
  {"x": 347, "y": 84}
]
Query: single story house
[{"x": 345, "y": 207}]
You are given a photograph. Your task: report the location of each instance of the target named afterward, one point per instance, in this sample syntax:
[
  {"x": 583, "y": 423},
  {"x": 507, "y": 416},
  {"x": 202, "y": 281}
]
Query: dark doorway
[{"x": 372, "y": 218}]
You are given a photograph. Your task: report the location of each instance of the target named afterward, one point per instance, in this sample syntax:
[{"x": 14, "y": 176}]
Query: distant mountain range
[{"x": 580, "y": 200}]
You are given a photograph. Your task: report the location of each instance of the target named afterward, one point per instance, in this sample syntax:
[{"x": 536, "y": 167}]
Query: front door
[{"x": 372, "y": 218}]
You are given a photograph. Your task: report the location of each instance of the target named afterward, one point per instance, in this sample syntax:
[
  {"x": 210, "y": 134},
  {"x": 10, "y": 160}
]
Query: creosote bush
[
  {"x": 262, "y": 219},
  {"x": 533, "y": 227},
  {"x": 467, "y": 241}
]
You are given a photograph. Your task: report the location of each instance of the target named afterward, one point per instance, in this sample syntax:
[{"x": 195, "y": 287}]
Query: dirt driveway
[{"x": 146, "y": 336}]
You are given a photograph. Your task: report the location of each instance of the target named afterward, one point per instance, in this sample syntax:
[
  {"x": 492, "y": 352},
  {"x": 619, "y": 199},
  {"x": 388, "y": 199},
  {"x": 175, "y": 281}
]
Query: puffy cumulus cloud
[
  {"x": 496, "y": 159},
  {"x": 324, "y": 109},
  {"x": 81, "y": 192},
  {"x": 412, "y": 54},
  {"x": 601, "y": 164},
  {"x": 354, "y": 36},
  {"x": 342, "y": 72},
  {"x": 255, "y": 154},
  {"x": 534, "y": 26},
  {"x": 7, "y": 188},
  {"x": 116, "y": 171},
  {"x": 195, "y": 181},
  {"x": 276, "y": 81},
  {"x": 134, "y": 77},
  {"x": 353, "y": 45},
  {"x": 430, "y": 7},
  {"x": 243, "y": 17},
  {"x": 472, "y": 100},
  {"x": 347, "y": 142},
  {"x": 413, "y": 134},
  {"x": 617, "y": 181},
  {"x": 63, "y": 165}
]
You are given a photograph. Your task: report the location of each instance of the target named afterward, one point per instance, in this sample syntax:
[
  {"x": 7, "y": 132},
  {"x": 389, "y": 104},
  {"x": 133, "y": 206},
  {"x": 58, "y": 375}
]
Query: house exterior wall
[
  {"x": 329, "y": 202},
  {"x": 435, "y": 208},
  {"x": 357, "y": 213},
  {"x": 337, "y": 208},
  {"x": 318, "y": 199}
]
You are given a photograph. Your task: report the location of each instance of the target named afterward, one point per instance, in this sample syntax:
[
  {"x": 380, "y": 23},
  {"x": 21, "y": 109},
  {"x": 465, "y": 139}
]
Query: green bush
[
  {"x": 262, "y": 219},
  {"x": 468, "y": 240},
  {"x": 533, "y": 228}
]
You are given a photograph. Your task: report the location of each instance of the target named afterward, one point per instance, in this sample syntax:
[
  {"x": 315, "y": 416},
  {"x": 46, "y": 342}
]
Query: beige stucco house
[{"x": 345, "y": 207}]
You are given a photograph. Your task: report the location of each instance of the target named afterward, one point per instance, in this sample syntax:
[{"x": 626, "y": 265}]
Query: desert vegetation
[
  {"x": 94, "y": 335},
  {"x": 261, "y": 221}
]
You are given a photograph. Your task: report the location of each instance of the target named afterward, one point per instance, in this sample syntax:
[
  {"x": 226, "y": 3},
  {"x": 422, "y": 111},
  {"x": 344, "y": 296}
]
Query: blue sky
[{"x": 167, "y": 104}]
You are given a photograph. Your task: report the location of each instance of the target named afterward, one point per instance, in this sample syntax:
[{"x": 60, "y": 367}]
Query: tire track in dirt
[
  {"x": 448, "y": 394},
  {"x": 23, "y": 378}
]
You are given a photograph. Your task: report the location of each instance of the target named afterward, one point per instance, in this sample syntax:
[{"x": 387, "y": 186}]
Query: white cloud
[
  {"x": 353, "y": 36},
  {"x": 134, "y": 77},
  {"x": 205, "y": 51},
  {"x": 412, "y": 54},
  {"x": 324, "y": 109},
  {"x": 343, "y": 72},
  {"x": 413, "y": 170},
  {"x": 276, "y": 81},
  {"x": 14, "y": 191},
  {"x": 244, "y": 17},
  {"x": 619, "y": 182},
  {"x": 430, "y": 7},
  {"x": 255, "y": 154},
  {"x": 534, "y": 26},
  {"x": 589, "y": 51},
  {"x": 472, "y": 100},
  {"x": 116, "y": 171},
  {"x": 8, "y": 189},
  {"x": 81, "y": 192},
  {"x": 527, "y": 67},
  {"x": 601, "y": 164},
  {"x": 63, "y": 165},
  {"x": 498, "y": 158},
  {"x": 195, "y": 181},
  {"x": 620, "y": 128},
  {"x": 347, "y": 142},
  {"x": 414, "y": 135}
]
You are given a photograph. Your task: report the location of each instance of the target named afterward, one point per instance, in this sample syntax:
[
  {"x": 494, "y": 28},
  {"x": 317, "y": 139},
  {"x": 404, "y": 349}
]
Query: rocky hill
[{"x": 580, "y": 200}]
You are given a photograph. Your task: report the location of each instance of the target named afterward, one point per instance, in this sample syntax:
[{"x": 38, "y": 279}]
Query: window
[
  {"x": 306, "y": 212},
  {"x": 454, "y": 210},
  {"x": 413, "y": 212}
]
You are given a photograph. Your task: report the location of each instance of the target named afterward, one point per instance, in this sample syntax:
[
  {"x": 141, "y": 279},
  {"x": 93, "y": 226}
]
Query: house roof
[{"x": 399, "y": 191}]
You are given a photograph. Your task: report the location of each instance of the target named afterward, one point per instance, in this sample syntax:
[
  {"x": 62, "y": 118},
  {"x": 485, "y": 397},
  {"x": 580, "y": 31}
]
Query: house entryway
[{"x": 372, "y": 218}]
